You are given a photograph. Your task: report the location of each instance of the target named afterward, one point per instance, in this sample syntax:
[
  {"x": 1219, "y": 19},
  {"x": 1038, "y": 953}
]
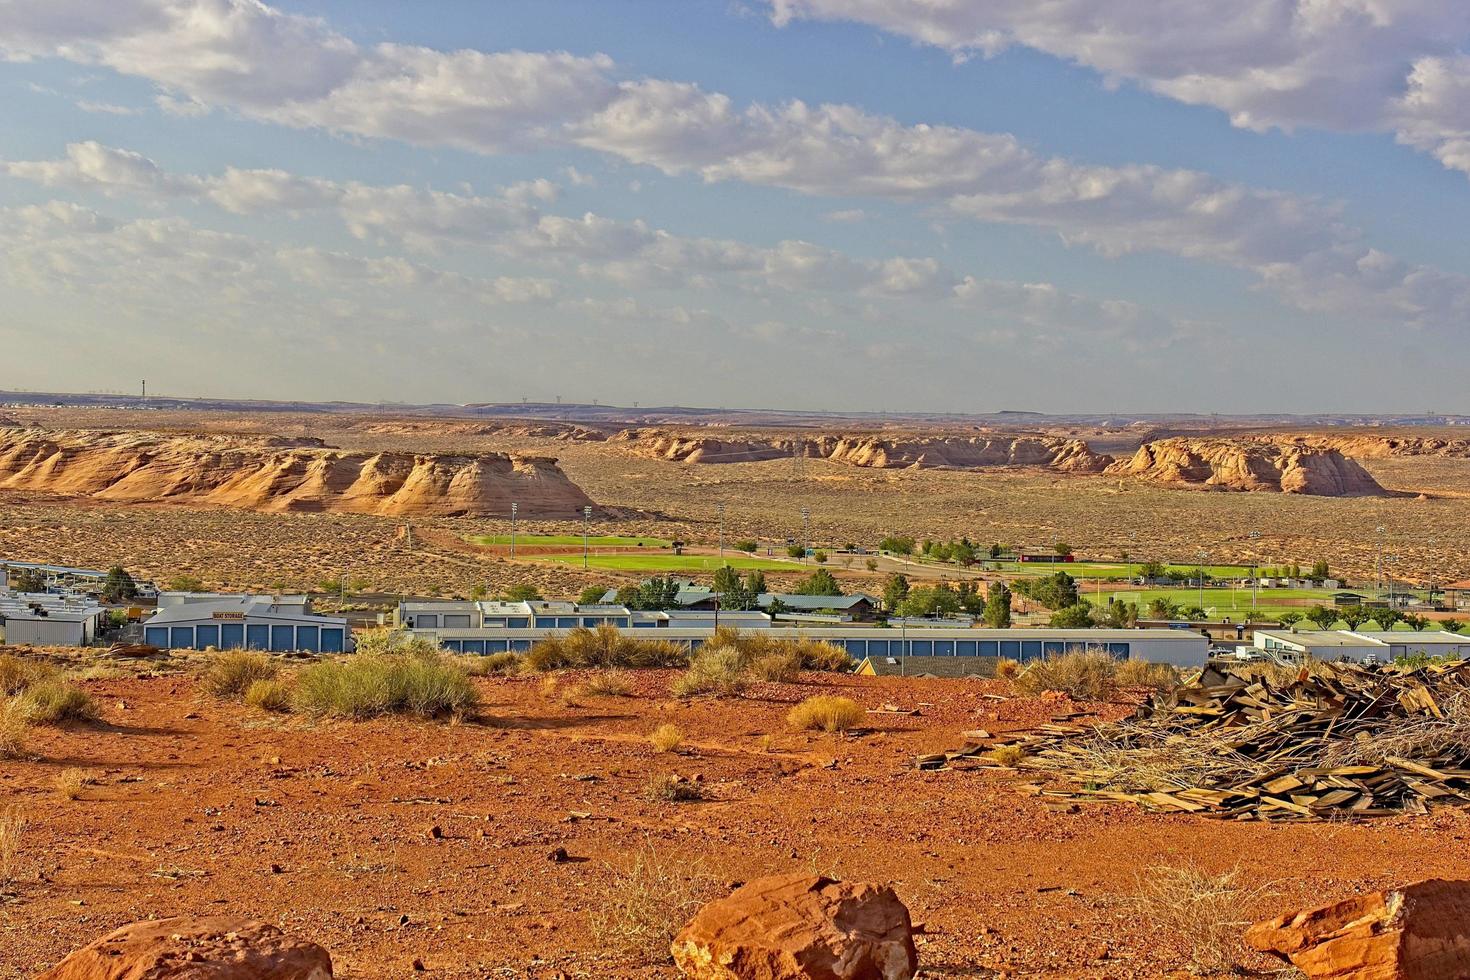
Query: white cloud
[
  {"x": 295, "y": 70},
  {"x": 1388, "y": 65}
]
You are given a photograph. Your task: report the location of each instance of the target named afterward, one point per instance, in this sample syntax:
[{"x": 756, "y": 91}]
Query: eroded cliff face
[
  {"x": 1249, "y": 465},
  {"x": 282, "y": 475},
  {"x": 877, "y": 452}
]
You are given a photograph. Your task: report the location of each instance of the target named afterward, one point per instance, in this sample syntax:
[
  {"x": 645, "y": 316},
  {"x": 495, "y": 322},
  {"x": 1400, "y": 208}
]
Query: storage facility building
[
  {"x": 50, "y": 620},
  {"x": 246, "y": 622}
]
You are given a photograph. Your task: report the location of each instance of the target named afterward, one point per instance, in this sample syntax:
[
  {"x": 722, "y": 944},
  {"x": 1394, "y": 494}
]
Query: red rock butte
[{"x": 281, "y": 475}]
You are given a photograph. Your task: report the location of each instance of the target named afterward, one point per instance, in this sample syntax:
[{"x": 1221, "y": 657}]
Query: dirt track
[{"x": 205, "y": 807}]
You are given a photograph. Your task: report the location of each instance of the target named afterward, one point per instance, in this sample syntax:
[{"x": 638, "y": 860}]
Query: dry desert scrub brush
[
  {"x": 15, "y": 725},
  {"x": 230, "y": 675},
  {"x": 1141, "y": 673},
  {"x": 1205, "y": 912},
  {"x": 52, "y": 701},
  {"x": 827, "y": 713},
  {"x": 1006, "y": 669},
  {"x": 422, "y": 683},
  {"x": 607, "y": 684},
  {"x": 17, "y": 674},
  {"x": 12, "y": 826},
  {"x": 269, "y": 695},
  {"x": 1085, "y": 676},
  {"x": 71, "y": 782},
  {"x": 642, "y": 906},
  {"x": 667, "y": 787},
  {"x": 721, "y": 671},
  {"x": 666, "y": 738}
]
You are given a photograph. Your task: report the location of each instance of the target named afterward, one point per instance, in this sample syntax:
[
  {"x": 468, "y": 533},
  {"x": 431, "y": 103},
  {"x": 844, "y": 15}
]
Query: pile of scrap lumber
[{"x": 1332, "y": 742}]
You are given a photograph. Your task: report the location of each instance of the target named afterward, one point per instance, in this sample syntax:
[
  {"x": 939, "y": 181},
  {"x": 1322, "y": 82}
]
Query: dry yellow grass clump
[
  {"x": 12, "y": 826},
  {"x": 230, "y": 675},
  {"x": 666, "y": 738},
  {"x": 1205, "y": 912},
  {"x": 269, "y": 695},
  {"x": 71, "y": 782},
  {"x": 1085, "y": 676},
  {"x": 827, "y": 713},
  {"x": 641, "y": 908},
  {"x": 15, "y": 726}
]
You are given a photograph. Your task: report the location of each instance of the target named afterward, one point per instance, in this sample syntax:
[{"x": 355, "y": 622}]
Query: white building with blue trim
[{"x": 246, "y": 622}]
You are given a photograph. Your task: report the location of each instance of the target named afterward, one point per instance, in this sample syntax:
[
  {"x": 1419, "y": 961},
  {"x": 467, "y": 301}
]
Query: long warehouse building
[
  {"x": 1178, "y": 647},
  {"x": 246, "y": 622}
]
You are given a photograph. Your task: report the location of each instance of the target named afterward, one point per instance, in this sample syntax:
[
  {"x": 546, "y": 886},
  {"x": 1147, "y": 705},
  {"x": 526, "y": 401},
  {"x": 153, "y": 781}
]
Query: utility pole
[
  {"x": 586, "y": 517},
  {"x": 806, "y": 532},
  {"x": 1378, "y": 565},
  {"x": 720, "y": 510},
  {"x": 145, "y": 389},
  {"x": 1255, "y": 577},
  {"x": 1202, "y": 556},
  {"x": 513, "y": 508}
]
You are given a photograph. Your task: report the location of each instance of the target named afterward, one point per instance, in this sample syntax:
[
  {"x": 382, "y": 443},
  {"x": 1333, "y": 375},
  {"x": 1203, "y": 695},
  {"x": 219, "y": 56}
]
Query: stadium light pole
[
  {"x": 586, "y": 519},
  {"x": 1202, "y": 556},
  {"x": 1378, "y": 564},
  {"x": 1255, "y": 578},
  {"x": 513, "y": 508},
  {"x": 806, "y": 532},
  {"x": 720, "y": 510}
]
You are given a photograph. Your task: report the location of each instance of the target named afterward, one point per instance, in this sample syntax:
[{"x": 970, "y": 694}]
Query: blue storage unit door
[
  {"x": 857, "y": 649},
  {"x": 332, "y": 640},
  {"x": 1010, "y": 649},
  {"x": 257, "y": 636},
  {"x": 944, "y": 648},
  {"x": 308, "y": 638},
  {"x": 181, "y": 637},
  {"x": 877, "y": 648},
  {"x": 965, "y": 648},
  {"x": 231, "y": 636},
  {"x": 206, "y": 636},
  {"x": 453, "y": 646},
  {"x": 156, "y": 636},
  {"x": 1030, "y": 649},
  {"x": 281, "y": 638},
  {"x": 921, "y": 648},
  {"x": 520, "y": 646},
  {"x": 1118, "y": 650}
]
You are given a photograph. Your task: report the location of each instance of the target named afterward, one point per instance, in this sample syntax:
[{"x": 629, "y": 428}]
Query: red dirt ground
[{"x": 204, "y": 807}]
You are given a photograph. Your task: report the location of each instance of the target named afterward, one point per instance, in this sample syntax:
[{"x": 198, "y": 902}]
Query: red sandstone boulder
[
  {"x": 185, "y": 948},
  {"x": 800, "y": 927},
  {"x": 1417, "y": 932}
]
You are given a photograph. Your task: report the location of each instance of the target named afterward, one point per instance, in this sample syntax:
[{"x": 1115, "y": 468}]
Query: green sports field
[
  {"x": 568, "y": 540},
  {"x": 623, "y": 562}
]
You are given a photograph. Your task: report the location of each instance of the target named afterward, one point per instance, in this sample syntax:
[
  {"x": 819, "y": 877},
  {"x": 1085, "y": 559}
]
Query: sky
[{"x": 840, "y": 205}]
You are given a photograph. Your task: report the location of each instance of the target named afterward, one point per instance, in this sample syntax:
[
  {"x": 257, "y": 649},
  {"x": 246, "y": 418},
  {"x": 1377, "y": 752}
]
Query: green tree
[
  {"x": 1056, "y": 591},
  {"x": 119, "y": 585},
  {"x": 972, "y": 600},
  {"x": 1192, "y": 613},
  {"x": 1289, "y": 619},
  {"x": 478, "y": 591},
  {"x": 1162, "y": 608},
  {"x": 819, "y": 556},
  {"x": 1322, "y": 617},
  {"x": 193, "y": 583},
  {"x": 1320, "y": 571},
  {"x": 1386, "y": 618},
  {"x": 1153, "y": 570},
  {"x": 523, "y": 592},
  {"x": 819, "y": 582},
  {"x": 658, "y": 593},
  {"x": 1354, "y": 616},
  {"x": 939, "y": 600},
  {"x": 629, "y": 596},
  {"x": 1062, "y": 549},
  {"x": 897, "y": 545},
  {"x": 27, "y": 580},
  {"x": 795, "y": 551},
  {"x": 726, "y": 580},
  {"x": 871, "y": 564},
  {"x": 1074, "y": 617},
  {"x": 998, "y": 606},
  {"x": 1453, "y": 625},
  {"x": 1416, "y": 622},
  {"x": 591, "y": 595},
  {"x": 895, "y": 590},
  {"x": 996, "y": 550},
  {"x": 1117, "y": 614},
  {"x": 963, "y": 552},
  {"x": 755, "y": 581},
  {"x": 747, "y": 545}
]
